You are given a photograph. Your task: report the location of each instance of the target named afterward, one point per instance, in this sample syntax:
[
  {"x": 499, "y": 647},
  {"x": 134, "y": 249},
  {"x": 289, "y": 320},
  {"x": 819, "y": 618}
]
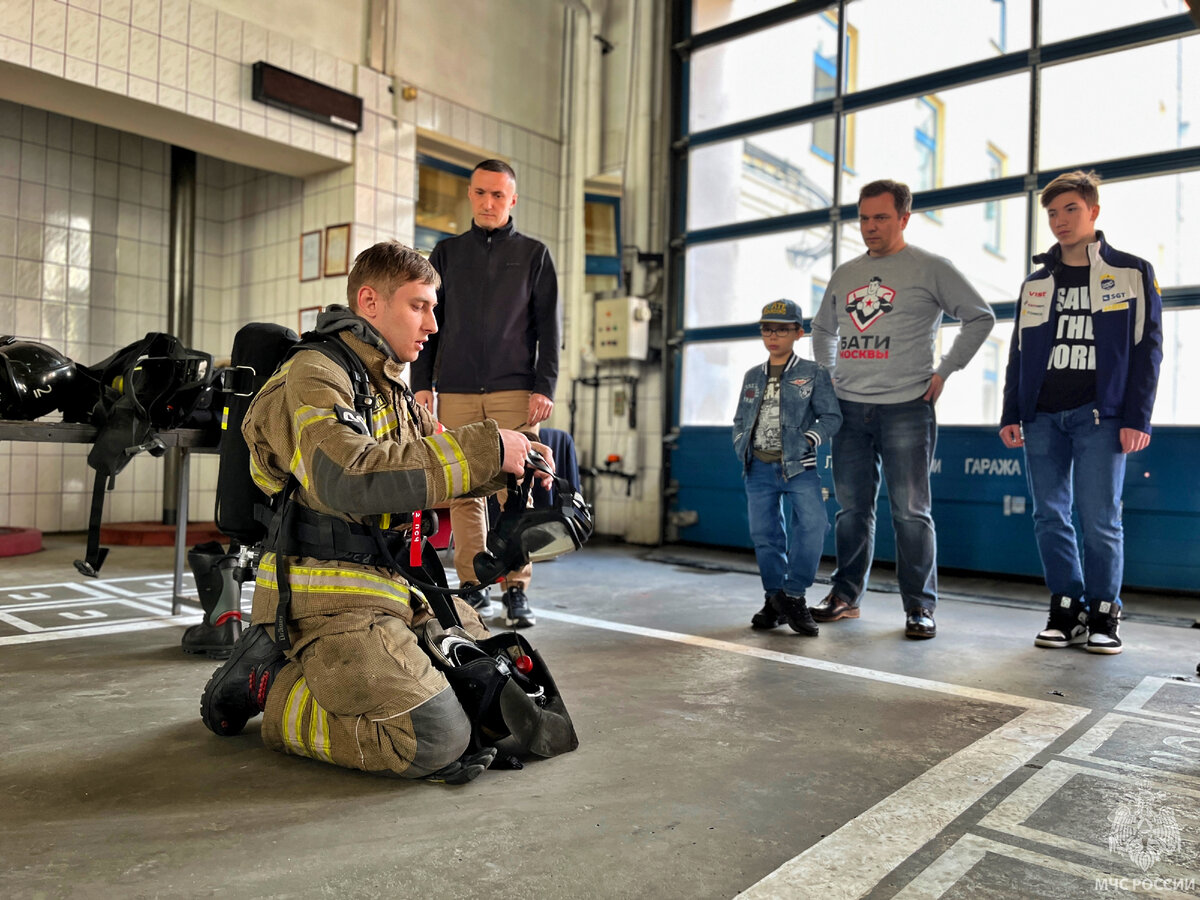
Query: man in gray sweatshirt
[{"x": 875, "y": 332}]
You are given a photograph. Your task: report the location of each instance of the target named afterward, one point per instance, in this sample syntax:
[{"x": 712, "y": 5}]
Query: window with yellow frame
[{"x": 824, "y": 87}]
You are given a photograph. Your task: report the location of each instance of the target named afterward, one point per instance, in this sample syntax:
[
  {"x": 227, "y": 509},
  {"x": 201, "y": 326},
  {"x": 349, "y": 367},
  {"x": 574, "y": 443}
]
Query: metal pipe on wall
[{"x": 181, "y": 283}]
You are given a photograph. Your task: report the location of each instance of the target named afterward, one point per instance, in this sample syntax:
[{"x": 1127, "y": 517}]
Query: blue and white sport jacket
[{"x": 1126, "y": 322}]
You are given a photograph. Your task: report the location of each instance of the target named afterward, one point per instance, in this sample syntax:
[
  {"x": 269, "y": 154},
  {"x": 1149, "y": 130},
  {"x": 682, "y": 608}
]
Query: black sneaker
[
  {"x": 1067, "y": 625},
  {"x": 479, "y": 597},
  {"x": 1103, "y": 624},
  {"x": 767, "y": 617},
  {"x": 517, "y": 613},
  {"x": 796, "y": 613},
  {"x": 237, "y": 692}
]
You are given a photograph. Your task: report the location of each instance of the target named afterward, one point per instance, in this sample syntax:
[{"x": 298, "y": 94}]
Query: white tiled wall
[
  {"x": 175, "y": 54},
  {"x": 83, "y": 259}
]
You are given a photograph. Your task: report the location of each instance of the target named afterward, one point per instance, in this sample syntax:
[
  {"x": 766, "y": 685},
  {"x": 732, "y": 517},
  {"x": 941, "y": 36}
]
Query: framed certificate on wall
[
  {"x": 308, "y": 318},
  {"x": 310, "y": 255},
  {"x": 337, "y": 249}
]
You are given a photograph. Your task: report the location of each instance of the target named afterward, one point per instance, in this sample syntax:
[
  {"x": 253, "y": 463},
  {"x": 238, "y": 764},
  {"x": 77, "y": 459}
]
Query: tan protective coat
[{"x": 358, "y": 672}]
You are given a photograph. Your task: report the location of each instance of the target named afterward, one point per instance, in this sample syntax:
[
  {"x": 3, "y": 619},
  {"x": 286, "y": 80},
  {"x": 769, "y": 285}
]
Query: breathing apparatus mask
[{"x": 534, "y": 535}]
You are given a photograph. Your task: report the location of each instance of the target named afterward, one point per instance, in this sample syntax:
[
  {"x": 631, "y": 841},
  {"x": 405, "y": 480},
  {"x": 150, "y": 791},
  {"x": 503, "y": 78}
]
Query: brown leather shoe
[{"x": 833, "y": 608}]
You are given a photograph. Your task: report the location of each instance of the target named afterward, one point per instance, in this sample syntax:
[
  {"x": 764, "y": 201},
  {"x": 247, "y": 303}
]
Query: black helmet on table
[{"x": 34, "y": 379}]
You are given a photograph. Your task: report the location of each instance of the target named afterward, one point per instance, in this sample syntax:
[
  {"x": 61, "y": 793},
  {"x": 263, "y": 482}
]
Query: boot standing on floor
[
  {"x": 786, "y": 410},
  {"x": 1078, "y": 394},
  {"x": 220, "y": 593}
]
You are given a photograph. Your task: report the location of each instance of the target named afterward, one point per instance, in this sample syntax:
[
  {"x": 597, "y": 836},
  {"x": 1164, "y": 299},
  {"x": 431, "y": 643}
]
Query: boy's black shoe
[
  {"x": 517, "y": 613},
  {"x": 237, "y": 692},
  {"x": 1067, "y": 624},
  {"x": 796, "y": 613},
  {"x": 767, "y": 617},
  {"x": 1103, "y": 626}
]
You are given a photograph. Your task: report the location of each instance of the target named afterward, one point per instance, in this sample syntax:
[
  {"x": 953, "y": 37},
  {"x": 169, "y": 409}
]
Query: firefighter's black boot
[
  {"x": 237, "y": 692},
  {"x": 221, "y": 599}
]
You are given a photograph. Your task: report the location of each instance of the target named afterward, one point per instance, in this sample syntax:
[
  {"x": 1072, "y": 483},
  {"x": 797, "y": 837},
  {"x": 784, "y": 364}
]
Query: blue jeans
[
  {"x": 900, "y": 438},
  {"x": 1074, "y": 456},
  {"x": 786, "y": 561}
]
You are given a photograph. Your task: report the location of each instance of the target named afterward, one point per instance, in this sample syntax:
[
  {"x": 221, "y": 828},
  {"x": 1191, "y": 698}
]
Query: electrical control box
[{"x": 622, "y": 329}]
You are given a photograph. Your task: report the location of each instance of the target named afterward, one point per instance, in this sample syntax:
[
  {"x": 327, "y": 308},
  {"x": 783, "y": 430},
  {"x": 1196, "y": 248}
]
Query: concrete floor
[{"x": 714, "y": 760}]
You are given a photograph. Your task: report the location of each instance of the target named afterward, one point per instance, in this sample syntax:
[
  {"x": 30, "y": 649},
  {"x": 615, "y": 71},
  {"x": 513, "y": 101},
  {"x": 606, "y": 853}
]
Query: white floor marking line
[
  {"x": 1011, "y": 814},
  {"x": 805, "y": 662},
  {"x": 98, "y": 630},
  {"x": 970, "y": 849},
  {"x": 887, "y": 834},
  {"x": 1137, "y": 699}
]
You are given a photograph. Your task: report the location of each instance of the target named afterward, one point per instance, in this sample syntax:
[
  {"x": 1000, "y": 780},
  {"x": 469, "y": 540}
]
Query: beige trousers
[{"x": 468, "y": 515}]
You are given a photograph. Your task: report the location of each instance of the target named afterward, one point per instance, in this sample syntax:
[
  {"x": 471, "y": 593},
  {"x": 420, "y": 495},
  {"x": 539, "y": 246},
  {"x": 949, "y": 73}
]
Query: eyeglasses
[{"x": 776, "y": 330}]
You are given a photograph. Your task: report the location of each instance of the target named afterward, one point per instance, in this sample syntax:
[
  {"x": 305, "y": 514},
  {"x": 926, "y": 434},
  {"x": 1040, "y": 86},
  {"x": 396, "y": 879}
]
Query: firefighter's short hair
[{"x": 387, "y": 266}]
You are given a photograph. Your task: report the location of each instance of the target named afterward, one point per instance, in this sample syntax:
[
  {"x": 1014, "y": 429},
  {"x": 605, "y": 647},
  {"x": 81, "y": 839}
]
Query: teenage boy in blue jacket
[
  {"x": 1078, "y": 393},
  {"x": 786, "y": 410}
]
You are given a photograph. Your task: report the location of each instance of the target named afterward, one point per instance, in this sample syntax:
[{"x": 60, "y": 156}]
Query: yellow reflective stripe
[
  {"x": 307, "y": 415},
  {"x": 454, "y": 463},
  {"x": 385, "y": 521},
  {"x": 385, "y": 424},
  {"x": 268, "y": 485},
  {"x": 281, "y": 373},
  {"x": 293, "y": 711},
  {"x": 225, "y": 419},
  {"x": 298, "y": 469},
  {"x": 316, "y": 580},
  {"x": 318, "y": 733}
]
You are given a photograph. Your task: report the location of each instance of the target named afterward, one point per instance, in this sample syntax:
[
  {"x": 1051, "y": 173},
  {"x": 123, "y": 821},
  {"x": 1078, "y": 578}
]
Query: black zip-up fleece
[{"x": 497, "y": 316}]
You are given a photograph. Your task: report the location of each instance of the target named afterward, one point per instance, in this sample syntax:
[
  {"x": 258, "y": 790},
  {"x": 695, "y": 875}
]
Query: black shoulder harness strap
[{"x": 150, "y": 385}]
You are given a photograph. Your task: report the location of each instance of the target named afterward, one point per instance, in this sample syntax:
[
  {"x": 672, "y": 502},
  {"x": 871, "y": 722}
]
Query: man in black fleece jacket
[{"x": 495, "y": 355}]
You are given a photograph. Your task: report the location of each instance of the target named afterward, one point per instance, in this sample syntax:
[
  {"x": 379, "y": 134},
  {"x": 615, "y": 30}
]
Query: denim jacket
[{"x": 809, "y": 414}]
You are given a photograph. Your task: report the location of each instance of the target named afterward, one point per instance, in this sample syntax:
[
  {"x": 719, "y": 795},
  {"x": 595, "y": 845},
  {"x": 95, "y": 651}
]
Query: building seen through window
[{"x": 976, "y": 133}]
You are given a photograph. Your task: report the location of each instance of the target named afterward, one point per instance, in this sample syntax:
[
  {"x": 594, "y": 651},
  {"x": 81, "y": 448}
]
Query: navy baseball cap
[{"x": 782, "y": 311}]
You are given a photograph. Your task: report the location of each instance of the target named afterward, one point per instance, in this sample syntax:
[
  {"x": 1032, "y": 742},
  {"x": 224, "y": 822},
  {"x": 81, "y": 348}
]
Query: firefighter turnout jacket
[{"x": 360, "y": 693}]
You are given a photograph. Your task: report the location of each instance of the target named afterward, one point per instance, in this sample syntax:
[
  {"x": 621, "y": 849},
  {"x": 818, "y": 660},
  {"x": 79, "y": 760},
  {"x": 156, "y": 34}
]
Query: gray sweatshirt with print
[{"x": 879, "y": 318}]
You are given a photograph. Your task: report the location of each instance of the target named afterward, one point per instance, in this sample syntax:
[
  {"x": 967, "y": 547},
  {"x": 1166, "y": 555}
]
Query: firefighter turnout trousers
[{"x": 359, "y": 691}]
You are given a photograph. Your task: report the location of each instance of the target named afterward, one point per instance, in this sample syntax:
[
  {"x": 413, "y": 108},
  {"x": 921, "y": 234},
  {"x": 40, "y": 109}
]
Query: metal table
[{"x": 186, "y": 440}]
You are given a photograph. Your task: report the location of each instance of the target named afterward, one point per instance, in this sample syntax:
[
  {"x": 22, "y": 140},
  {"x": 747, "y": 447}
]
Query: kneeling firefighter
[{"x": 333, "y": 657}]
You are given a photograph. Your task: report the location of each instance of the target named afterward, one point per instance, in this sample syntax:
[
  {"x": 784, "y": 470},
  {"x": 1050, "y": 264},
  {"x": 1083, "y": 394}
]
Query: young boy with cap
[{"x": 786, "y": 410}]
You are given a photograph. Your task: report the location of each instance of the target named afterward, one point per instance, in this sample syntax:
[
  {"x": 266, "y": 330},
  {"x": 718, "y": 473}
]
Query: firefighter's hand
[
  {"x": 425, "y": 399},
  {"x": 1012, "y": 437},
  {"x": 514, "y": 448},
  {"x": 541, "y": 458}
]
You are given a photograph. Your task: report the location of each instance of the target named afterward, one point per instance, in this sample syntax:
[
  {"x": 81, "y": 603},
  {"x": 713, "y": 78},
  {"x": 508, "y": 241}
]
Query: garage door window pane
[
  {"x": 757, "y": 177},
  {"x": 712, "y": 376},
  {"x": 730, "y": 282}
]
